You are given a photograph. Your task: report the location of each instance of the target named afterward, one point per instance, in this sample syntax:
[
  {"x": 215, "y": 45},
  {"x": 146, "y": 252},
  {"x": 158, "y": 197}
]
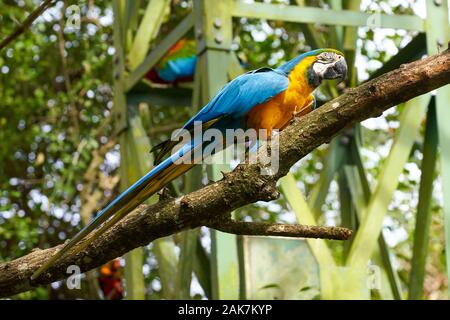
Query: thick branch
[
  {"x": 27, "y": 22},
  {"x": 242, "y": 186}
]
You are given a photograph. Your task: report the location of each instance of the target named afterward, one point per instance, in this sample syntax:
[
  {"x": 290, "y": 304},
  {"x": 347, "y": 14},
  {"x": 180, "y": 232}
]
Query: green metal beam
[
  {"x": 120, "y": 106},
  {"x": 312, "y": 37},
  {"x": 130, "y": 171},
  {"x": 202, "y": 268},
  {"x": 213, "y": 32},
  {"x": 130, "y": 20},
  {"x": 134, "y": 280},
  {"x": 189, "y": 250},
  {"x": 170, "y": 97},
  {"x": 332, "y": 163},
  {"x": 361, "y": 194},
  {"x": 138, "y": 162},
  {"x": 347, "y": 208},
  {"x": 320, "y": 249},
  {"x": 318, "y": 15},
  {"x": 365, "y": 239},
  {"x": 438, "y": 35},
  {"x": 156, "y": 54},
  {"x": 366, "y": 194},
  {"x": 349, "y": 42},
  {"x": 131, "y": 14},
  {"x": 423, "y": 217},
  {"x": 213, "y": 29},
  {"x": 147, "y": 31},
  {"x": 119, "y": 8},
  {"x": 337, "y": 33}
]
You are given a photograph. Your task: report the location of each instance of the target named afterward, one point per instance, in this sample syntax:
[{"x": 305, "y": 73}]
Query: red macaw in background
[
  {"x": 110, "y": 280},
  {"x": 177, "y": 66},
  {"x": 265, "y": 98}
]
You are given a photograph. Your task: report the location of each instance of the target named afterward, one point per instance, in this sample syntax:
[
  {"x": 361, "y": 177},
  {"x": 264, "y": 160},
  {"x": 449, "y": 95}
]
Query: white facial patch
[{"x": 320, "y": 68}]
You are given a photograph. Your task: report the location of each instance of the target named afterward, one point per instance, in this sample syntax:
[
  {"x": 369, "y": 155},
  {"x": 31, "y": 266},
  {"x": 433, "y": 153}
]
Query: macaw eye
[
  {"x": 326, "y": 57},
  {"x": 323, "y": 60}
]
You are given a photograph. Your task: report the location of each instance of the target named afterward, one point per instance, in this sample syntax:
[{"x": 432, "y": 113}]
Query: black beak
[{"x": 337, "y": 71}]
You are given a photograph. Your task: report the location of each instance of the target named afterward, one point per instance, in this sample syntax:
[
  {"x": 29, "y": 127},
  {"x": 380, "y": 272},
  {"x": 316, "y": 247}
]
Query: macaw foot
[{"x": 306, "y": 109}]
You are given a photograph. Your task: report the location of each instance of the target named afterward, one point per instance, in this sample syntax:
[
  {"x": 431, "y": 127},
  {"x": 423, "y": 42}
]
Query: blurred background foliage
[{"x": 59, "y": 157}]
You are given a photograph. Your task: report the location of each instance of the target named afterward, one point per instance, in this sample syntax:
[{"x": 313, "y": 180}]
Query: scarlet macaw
[
  {"x": 265, "y": 98},
  {"x": 178, "y": 65},
  {"x": 110, "y": 280}
]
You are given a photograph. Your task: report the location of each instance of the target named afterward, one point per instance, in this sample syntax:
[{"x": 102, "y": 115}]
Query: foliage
[{"x": 50, "y": 132}]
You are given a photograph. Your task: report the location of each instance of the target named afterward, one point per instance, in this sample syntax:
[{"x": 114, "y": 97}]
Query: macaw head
[{"x": 318, "y": 65}]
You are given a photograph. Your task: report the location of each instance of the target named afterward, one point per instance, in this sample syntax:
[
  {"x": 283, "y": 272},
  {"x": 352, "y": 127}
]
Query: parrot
[
  {"x": 177, "y": 66},
  {"x": 265, "y": 98},
  {"x": 110, "y": 280}
]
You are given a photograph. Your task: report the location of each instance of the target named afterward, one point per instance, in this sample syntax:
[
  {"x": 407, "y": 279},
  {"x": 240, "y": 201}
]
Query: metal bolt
[
  {"x": 218, "y": 39},
  {"x": 345, "y": 140},
  {"x": 199, "y": 34},
  {"x": 437, "y": 2},
  {"x": 217, "y": 23}
]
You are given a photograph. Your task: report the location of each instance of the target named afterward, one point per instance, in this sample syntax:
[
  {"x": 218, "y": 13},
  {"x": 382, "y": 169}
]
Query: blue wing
[{"x": 239, "y": 96}]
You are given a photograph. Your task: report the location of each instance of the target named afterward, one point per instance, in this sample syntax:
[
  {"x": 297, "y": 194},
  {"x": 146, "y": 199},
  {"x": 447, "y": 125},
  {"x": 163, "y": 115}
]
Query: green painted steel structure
[{"x": 222, "y": 273}]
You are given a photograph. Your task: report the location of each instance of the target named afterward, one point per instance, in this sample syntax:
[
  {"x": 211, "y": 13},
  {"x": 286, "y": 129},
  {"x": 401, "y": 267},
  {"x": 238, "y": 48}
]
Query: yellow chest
[{"x": 278, "y": 111}]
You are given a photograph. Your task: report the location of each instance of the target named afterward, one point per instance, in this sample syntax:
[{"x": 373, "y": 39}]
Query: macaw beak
[{"x": 336, "y": 70}]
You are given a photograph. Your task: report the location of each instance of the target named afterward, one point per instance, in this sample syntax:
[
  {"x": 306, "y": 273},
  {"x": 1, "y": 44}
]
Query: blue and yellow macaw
[
  {"x": 177, "y": 65},
  {"x": 265, "y": 98}
]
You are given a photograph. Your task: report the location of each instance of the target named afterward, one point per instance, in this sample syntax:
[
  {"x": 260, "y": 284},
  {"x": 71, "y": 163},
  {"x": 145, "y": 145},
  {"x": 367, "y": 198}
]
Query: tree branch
[
  {"x": 245, "y": 184},
  {"x": 26, "y": 23},
  {"x": 280, "y": 230}
]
